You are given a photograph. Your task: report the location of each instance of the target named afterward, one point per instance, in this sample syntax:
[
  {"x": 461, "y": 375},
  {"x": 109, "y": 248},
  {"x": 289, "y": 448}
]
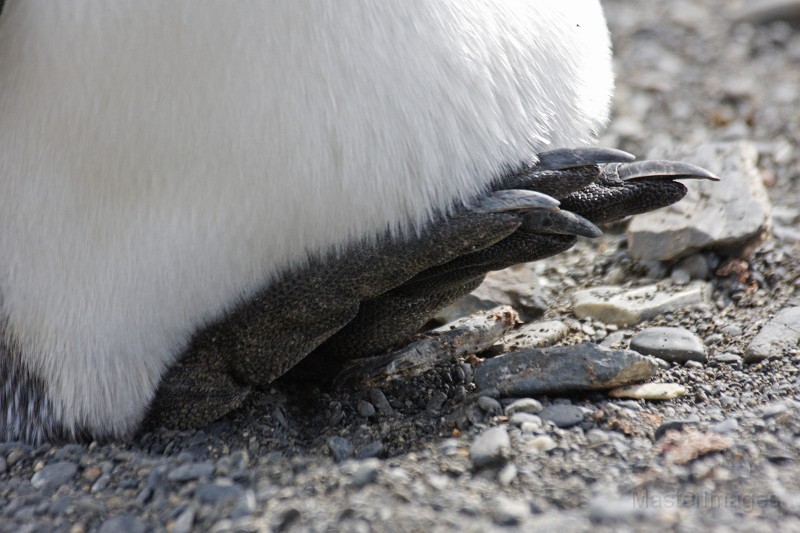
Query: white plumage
[{"x": 161, "y": 161}]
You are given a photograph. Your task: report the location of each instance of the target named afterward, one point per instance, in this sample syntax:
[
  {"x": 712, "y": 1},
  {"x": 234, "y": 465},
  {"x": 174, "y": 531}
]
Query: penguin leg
[
  {"x": 267, "y": 335},
  {"x": 602, "y": 185}
]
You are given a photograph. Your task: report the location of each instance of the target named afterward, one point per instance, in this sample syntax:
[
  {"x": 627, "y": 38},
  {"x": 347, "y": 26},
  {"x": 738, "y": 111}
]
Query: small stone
[
  {"x": 779, "y": 337},
  {"x": 101, "y": 483},
  {"x": 378, "y": 399},
  {"x": 535, "y": 335},
  {"x": 517, "y": 419},
  {"x": 650, "y": 391},
  {"x": 542, "y": 443},
  {"x": 676, "y": 345},
  {"x": 597, "y": 437},
  {"x": 680, "y": 277},
  {"x": 693, "y": 364},
  {"x": 508, "y": 512},
  {"x": 184, "y": 522},
  {"x": 123, "y": 524},
  {"x": 365, "y": 409},
  {"x": 624, "y": 307},
  {"x": 54, "y": 475},
  {"x": 727, "y": 358},
  {"x": 191, "y": 471},
  {"x": 91, "y": 474},
  {"x": 366, "y": 473},
  {"x": 373, "y": 449},
  {"x": 14, "y": 457},
  {"x": 563, "y": 416},
  {"x": 217, "y": 493},
  {"x": 523, "y": 405},
  {"x": 507, "y": 474},
  {"x": 435, "y": 402},
  {"x": 490, "y": 405},
  {"x": 729, "y": 425},
  {"x": 490, "y": 448},
  {"x": 695, "y": 266},
  {"x": 341, "y": 449},
  {"x": 673, "y": 425}
]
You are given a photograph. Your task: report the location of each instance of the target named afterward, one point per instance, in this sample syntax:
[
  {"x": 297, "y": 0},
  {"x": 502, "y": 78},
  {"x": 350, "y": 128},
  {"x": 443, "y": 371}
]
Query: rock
[
  {"x": 731, "y": 216},
  {"x": 366, "y": 473},
  {"x": 695, "y": 266},
  {"x": 729, "y": 425},
  {"x": 780, "y": 336},
  {"x": 508, "y": 512},
  {"x": 562, "y": 369},
  {"x": 217, "y": 493},
  {"x": 535, "y": 335},
  {"x": 435, "y": 402},
  {"x": 123, "y": 524},
  {"x": 184, "y": 522},
  {"x": 341, "y": 449},
  {"x": 54, "y": 475},
  {"x": 686, "y": 446},
  {"x": 373, "y": 449},
  {"x": 468, "y": 336},
  {"x": 673, "y": 425},
  {"x": 624, "y": 307},
  {"x": 727, "y": 358},
  {"x": 507, "y": 474},
  {"x": 518, "y": 419},
  {"x": 490, "y": 448},
  {"x": 523, "y": 405},
  {"x": 767, "y": 11},
  {"x": 676, "y": 345},
  {"x": 650, "y": 391},
  {"x": 562, "y": 416},
  {"x": 518, "y": 286},
  {"x": 775, "y": 409},
  {"x": 191, "y": 471},
  {"x": 365, "y": 409},
  {"x": 490, "y": 405},
  {"x": 542, "y": 443},
  {"x": 378, "y": 399}
]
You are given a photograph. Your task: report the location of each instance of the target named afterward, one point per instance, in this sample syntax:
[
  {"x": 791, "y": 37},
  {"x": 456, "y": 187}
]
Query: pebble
[
  {"x": 695, "y": 266},
  {"x": 366, "y": 473},
  {"x": 624, "y": 307},
  {"x": 535, "y": 335},
  {"x": 729, "y": 425},
  {"x": 54, "y": 475},
  {"x": 507, "y": 474},
  {"x": 373, "y": 449},
  {"x": 379, "y": 401},
  {"x": 435, "y": 402},
  {"x": 191, "y": 471},
  {"x": 508, "y": 512},
  {"x": 563, "y": 416},
  {"x": 672, "y": 344},
  {"x": 673, "y": 425},
  {"x": 650, "y": 391},
  {"x": 217, "y": 493},
  {"x": 731, "y": 215},
  {"x": 341, "y": 449},
  {"x": 123, "y": 524},
  {"x": 490, "y": 405},
  {"x": 523, "y": 405},
  {"x": 562, "y": 369},
  {"x": 542, "y": 443},
  {"x": 365, "y": 409},
  {"x": 184, "y": 522},
  {"x": 780, "y": 336},
  {"x": 727, "y": 358},
  {"x": 517, "y": 419},
  {"x": 490, "y": 448}
]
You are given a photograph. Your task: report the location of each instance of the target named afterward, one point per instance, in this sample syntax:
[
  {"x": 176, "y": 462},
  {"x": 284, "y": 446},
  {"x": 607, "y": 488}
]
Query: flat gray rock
[
  {"x": 779, "y": 337},
  {"x": 671, "y": 344},
  {"x": 535, "y": 335},
  {"x": 563, "y": 416},
  {"x": 731, "y": 214},
  {"x": 624, "y": 307},
  {"x": 562, "y": 369}
]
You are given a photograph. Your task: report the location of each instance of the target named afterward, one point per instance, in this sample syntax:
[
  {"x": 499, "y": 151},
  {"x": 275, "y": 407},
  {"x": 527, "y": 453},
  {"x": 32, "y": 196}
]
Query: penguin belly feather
[{"x": 163, "y": 161}]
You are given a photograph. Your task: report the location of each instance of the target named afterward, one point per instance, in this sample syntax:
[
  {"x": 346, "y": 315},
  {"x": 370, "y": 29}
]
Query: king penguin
[{"x": 167, "y": 168}]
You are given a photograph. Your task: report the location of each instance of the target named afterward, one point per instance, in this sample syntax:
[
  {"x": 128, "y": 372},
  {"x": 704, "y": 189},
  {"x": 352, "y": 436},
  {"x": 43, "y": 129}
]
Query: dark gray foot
[{"x": 264, "y": 338}]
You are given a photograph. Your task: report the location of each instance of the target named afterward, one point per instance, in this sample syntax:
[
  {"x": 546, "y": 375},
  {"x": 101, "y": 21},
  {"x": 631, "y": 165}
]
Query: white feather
[{"x": 161, "y": 161}]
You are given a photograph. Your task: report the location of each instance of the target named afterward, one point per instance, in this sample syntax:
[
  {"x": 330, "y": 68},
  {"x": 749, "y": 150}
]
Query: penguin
[{"x": 195, "y": 198}]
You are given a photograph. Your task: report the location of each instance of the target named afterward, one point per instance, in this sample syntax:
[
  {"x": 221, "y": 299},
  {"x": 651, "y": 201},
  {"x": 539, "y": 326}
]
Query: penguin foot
[
  {"x": 373, "y": 296},
  {"x": 265, "y": 337}
]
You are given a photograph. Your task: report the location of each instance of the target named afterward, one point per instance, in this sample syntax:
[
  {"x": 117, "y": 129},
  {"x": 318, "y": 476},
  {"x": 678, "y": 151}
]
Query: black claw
[
  {"x": 514, "y": 200},
  {"x": 656, "y": 169},
  {"x": 559, "y": 222},
  {"x": 566, "y": 158}
]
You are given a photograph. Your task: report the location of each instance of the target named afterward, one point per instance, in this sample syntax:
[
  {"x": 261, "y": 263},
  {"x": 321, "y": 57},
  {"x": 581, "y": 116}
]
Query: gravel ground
[{"x": 425, "y": 454}]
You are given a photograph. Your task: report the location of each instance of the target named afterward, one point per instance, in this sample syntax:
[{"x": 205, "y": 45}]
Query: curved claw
[
  {"x": 559, "y": 222},
  {"x": 657, "y": 169},
  {"x": 512, "y": 200},
  {"x": 566, "y": 158}
]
